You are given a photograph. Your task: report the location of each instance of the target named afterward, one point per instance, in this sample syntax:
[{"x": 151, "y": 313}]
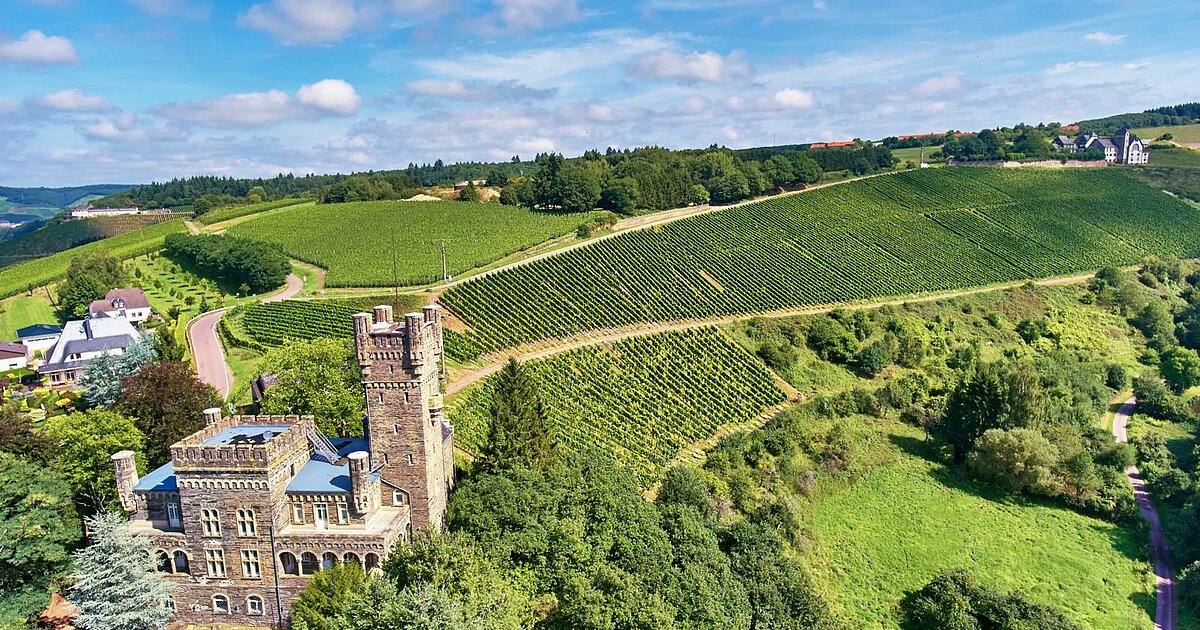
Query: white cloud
[
  {"x": 691, "y": 68},
  {"x": 260, "y": 109},
  {"x": 940, "y": 85},
  {"x": 523, "y": 16},
  {"x": 455, "y": 90},
  {"x": 189, "y": 9},
  {"x": 38, "y": 48},
  {"x": 1136, "y": 65},
  {"x": 332, "y": 95},
  {"x": 302, "y": 21},
  {"x": 120, "y": 128},
  {"x": 72, "y": 100},
  {"x": 820, "y": 5},
  {"x": 1103, "y": 38},
  {"x": 1071, "y": 66},
  {"x": 791, "y": 98}
]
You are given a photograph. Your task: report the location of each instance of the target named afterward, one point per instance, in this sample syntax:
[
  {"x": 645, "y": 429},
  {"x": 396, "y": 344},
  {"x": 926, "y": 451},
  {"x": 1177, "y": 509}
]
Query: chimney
[
  {"x": 383, "y": 314},
  {"x": 360, "y": 482},
  {"x": 212, "y": 416},
  {"x": 127, "y": 478}
]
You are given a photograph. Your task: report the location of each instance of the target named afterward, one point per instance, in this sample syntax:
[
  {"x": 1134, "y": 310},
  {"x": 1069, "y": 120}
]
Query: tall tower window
[
  {"x": 215, "y": 561},
  {"x": 250, "y": 568},
  {"x": 245, "y": 523},
  {"x": 210, "y": 522}
]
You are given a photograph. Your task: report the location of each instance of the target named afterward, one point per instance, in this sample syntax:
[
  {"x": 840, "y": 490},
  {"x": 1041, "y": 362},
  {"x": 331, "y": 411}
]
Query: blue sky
[{"x": 139, "y": 90}]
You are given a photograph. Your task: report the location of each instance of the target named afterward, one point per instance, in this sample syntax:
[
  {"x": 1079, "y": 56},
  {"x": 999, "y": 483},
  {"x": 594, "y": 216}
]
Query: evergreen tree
[
  {"x": 519, "y": 435},
  {"x": 101, "y": 380},
  {"x": 116, "y": 587}
]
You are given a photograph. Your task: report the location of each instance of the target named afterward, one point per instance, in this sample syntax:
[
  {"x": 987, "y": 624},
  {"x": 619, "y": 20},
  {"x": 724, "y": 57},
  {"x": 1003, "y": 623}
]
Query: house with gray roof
[
  {"x": 130, "y": 304},
  {"x": 1122, "y": 148},
  {"x": 83, "y": 340}
]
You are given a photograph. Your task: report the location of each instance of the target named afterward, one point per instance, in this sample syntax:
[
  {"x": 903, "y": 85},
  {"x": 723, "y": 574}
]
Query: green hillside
[
  {"x": 354, "y": 241},
  {"x": 20, "y": 277},
  {"x": 894, "y": 235},
  {"x": 60, "y": 235}
]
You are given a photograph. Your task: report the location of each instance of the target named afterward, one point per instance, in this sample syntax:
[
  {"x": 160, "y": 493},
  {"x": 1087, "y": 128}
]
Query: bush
[
  {"x": 1189, "y": 587},
  {"x": 1014, "y": 460},
  {"x": 955, "y": 601},
  {"x": 1115, "y": 377},
  {"x": 873, "y": 358}
]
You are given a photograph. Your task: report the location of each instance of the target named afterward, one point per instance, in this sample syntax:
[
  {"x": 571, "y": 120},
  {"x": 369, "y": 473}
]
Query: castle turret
[
  {"x": 212, "y": 416},
  {"x": 127, "y": 477},
  {"x": 361, "y": 488}
]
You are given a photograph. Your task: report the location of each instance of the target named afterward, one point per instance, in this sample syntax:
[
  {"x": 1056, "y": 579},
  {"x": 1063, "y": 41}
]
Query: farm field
[
  {"x": 235, "y": 212},
  {"x": 1175, "y": 156},
  {"x": 354, "y": 240},
  {"x": 1181, "y": 181},
  {"x": 19, "y": 311},
  {"x": 1181, "y": 134},
  {"x": 34, "y": 273},
  {"x": 641, "y": 400},
  {"x": 261, "y": 326},
  {"x": 895, "y": 235},
  {"x": 898, "y": 526},
  {"x": 913, "y": 153},
  {"x": 58, "y": 236}
]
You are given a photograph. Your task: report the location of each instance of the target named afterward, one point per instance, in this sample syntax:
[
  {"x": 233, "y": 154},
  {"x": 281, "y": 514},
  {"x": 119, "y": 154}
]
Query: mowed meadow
[
  {"x": 894, "y": 235},
  {"x": 354, "y": 241}
]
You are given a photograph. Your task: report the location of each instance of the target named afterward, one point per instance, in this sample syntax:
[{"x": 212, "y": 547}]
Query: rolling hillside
[
  {"x": 894, "y": 235},
  {"x": 58, "y": 235}
]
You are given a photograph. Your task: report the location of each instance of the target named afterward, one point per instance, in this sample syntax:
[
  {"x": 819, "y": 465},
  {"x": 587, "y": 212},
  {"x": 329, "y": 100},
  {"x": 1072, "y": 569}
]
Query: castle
[{"x": 250, "y": 506}]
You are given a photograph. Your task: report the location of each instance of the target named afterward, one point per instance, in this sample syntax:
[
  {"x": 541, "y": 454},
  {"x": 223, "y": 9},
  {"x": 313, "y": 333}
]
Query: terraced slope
[
  {"x": 896, "y": 235},
  {"x": 641, "y": 400}
]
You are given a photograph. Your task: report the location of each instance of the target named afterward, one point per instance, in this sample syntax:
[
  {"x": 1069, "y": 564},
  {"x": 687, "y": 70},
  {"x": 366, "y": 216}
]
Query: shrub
[{"x": 1014, "y": 460}]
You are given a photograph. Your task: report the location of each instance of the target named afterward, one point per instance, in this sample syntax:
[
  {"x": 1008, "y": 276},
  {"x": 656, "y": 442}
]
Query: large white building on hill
[{"x": 1122, "y": 148}]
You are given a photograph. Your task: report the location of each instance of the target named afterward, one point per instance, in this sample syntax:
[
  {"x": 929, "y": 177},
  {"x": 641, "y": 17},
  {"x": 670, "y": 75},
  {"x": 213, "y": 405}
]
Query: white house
[
  {"x": 89, "y": 212},
  {"x": 1122, "y": 148},
  {"x": 13, "y": 356},
  {"x": 38, "y": 337},
  {"x": 130, "y": 304},
  {"x": 83, "y": 340}
]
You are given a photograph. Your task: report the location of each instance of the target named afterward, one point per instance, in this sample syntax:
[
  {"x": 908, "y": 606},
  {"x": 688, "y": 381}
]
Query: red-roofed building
[
  {"x": 817, "y": 145},
  {"x": 1072, "y": 128},
  {"x": 834, "y": 145}
]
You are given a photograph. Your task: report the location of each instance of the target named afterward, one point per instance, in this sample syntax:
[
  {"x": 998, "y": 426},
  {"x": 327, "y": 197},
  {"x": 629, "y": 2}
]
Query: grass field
[
  {"x": 1175, "y": 156},
  {"x": 35, "y": 273},
  {"x": 895, "y": 235},
  {"x": 1182, "y": 134},
  {"x": 896, "y": 528},
  {"x": 913, "y": 153},
  {"x": 235, "y": 212},
  {"x": 19, "y": 311},
  {"x": 354, "y": 241},
  {"x": 1183, "y": 182},
  {"x": 58, "y": 236},
  {"x": 641, "y": 400}
]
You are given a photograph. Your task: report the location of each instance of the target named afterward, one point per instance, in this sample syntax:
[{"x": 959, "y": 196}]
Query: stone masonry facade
[{"x": 250, "y": 506}]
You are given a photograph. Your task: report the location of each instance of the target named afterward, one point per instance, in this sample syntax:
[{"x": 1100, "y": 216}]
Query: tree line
[{"x": 247, "y": 265}]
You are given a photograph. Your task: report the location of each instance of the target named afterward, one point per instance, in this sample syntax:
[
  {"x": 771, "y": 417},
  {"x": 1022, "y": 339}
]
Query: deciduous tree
[
  {"x": 167, "y": 402},
  {"x": 84, "y": 445},
  {"x": 320, "y": 378}
]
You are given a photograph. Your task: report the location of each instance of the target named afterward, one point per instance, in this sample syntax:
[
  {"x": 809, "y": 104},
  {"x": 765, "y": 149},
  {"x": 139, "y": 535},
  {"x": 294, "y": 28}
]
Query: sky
[{"x": 132, "y": 91}]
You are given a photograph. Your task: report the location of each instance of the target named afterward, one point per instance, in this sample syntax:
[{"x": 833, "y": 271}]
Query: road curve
[
  {"x": 1164, "y": 575},
  {"x": 208, "y": 356}
]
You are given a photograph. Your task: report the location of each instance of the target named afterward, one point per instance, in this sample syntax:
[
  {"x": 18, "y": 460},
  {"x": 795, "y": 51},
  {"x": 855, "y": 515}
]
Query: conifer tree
[
  {"x": 116, "y": 587},
  {"x": 519, "y": 435}
]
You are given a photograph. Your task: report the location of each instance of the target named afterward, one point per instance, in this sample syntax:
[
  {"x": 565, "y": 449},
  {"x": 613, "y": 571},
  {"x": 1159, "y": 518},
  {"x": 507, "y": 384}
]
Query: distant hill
[
  {"x": 1184, "y": 114},
  {"x": 55, "y": 197},
  {"x": 57, "y": 235}
]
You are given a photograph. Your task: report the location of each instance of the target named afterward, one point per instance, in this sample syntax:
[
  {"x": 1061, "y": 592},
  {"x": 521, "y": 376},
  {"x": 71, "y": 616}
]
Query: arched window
[
  {"x": 245, "y": 523},
  {"x": 372, "y": 561},
  {"x": 181, "y": 563},
  {"x": 351, "y": 557},
  {"x": 162, "y": 562},
  {"x": 308, "y": 563},
  {"x": 290, "y": 566},
  {"x": 220, "y": 604},
  {"x": 328, "y": 559},
  {"x": 254, "y": 605}
]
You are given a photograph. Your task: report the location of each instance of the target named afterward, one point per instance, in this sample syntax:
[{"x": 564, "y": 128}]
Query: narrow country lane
[
  {"x": 207, "y": 354},
  {"x": 1164, "y": 575}
]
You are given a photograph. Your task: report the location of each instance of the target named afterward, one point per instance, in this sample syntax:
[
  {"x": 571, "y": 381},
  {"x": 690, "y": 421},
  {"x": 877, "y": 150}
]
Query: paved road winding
[
  {"x": 207, "y": 354},
  {"x": 1164, "y": 576}
]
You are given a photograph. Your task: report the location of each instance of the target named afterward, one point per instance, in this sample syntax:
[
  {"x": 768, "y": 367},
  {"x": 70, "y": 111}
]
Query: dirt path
[
  {"x": 1164, "y": 575},
  {"x": 191, "y": 227},
  {"x": 208, "y": 356},
  {"x": 464, "y": 378}
]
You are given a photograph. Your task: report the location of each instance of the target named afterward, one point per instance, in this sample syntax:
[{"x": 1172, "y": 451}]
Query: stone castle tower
[{"x": 409, "y": 439}]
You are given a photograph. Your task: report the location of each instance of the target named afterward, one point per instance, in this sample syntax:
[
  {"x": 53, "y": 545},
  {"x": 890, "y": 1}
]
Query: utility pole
[{"x": 445, "y": 275}]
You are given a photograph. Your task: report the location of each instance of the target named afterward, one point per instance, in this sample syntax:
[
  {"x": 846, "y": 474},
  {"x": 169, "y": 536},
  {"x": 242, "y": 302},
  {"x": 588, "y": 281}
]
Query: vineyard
[
  {"x": 60, "y": 235},
  {"x": 235, "y": 212},
  {"x": 34, "y": 273},
  {"x": 896, "y": 235},
  {"x": 354, "y": 241},
  {"x": 641, "y": 400}
]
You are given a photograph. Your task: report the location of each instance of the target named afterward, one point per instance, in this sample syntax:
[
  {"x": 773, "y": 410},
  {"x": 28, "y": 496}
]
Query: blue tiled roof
[
  {"x": 160, "y": 480},
  {"x": 247, "y": 434},
  {"x": 345, "y": 446},
  {"x": 37, "y": 330}
]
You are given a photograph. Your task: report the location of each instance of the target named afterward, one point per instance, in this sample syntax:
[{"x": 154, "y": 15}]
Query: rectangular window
[
  {"x": 411, "y": 460},
  {"x": 321, "y": 515},
  {"x": 173, "y": 514},
  {"x": 297, "y": 513},
  {"x": 380, "y": 396},
  {"x": 250, "y": 563},
  {"x": 245, "y": 522},
  {"x": 343, "y": 514},
  {"x": 215, "y": 559},
  {"x": 210, "y": 522}
]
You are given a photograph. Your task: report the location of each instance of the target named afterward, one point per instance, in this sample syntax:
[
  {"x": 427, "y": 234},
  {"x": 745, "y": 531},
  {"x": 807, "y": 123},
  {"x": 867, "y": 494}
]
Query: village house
[
  {"x": 251, "y": 506},
  {"x": 13, "y": 356},
  {"x": 90, "y": 212},
  {"x": 474, "y": 182},
  {"x": 130, "y": 304},
  {"x": 1122, "y": 148},
  {"x": 38, "y": 338},
  {"x": 83, "y": 340}
]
